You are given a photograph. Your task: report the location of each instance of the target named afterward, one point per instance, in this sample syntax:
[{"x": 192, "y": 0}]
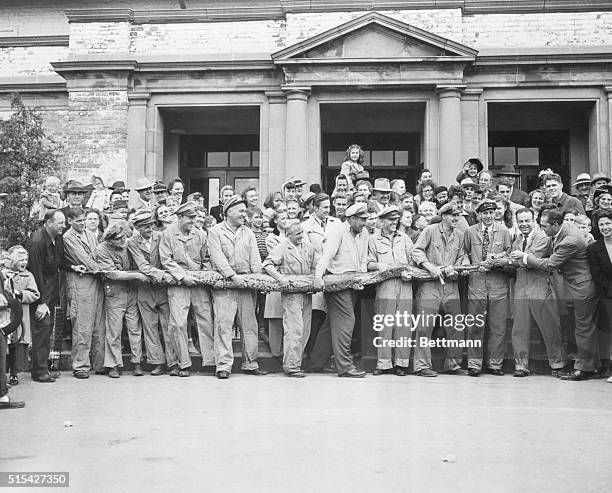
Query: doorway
[{"x": 390, "y": 134}]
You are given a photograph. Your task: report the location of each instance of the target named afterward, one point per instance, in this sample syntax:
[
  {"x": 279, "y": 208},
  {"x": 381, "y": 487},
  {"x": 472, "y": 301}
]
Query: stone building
[{"x": 256, "y": 92}]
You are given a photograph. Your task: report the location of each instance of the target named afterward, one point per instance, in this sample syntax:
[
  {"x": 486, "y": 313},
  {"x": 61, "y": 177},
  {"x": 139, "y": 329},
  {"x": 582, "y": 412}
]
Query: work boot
[
  {"x": 114, "y": 372},
  {"x": 138, "y": 371}
]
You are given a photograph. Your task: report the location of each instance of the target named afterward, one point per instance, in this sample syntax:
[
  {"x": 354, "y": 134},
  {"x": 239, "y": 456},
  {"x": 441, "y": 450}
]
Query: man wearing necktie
[
  {"x": 535, "y": 300},
  {"x": 569, "y": 259},
  {"x": 488, "y": 288}
]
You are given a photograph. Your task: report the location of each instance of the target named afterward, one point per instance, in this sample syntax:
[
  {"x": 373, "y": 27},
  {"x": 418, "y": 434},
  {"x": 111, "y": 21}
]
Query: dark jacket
[
  {"x": 601, "y": 267},
  {"x": 520, "y": 197},
  {"x": 45, "y": 261}
]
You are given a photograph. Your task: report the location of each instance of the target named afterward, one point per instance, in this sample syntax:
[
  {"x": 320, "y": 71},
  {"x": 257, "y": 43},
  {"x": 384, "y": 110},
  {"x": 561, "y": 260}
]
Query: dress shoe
[
  {"x": 296, "y": 374},
  {"x": 184, "y": 372},
  {"x": 44, "y": 379},
  {"x": 401, "y": 371},
  {"x": 386, "y": 371},
  {"x": 496, "y": 371},
  {"x": 12, "y": 404},
  {"x": 158, "y": 370},
  {"x": 174, "y": 371},
  {"x": 426, "y": 372},
  {"x": 256, "y": 371},
  {"x": 138, "y": 370},
  {"x": 13, "y": 380},
  {"x": 81, "y": 374},
  {"x": 577, "y": 375},
  {"x": 456, "y": 371},
  {"x": 473, "y": 372},
  {"x": 223, "y": 375},
  {"x": 102, "y": 372},
  {"x": 354, "y": 373},
  {"x": 520, "y": 373},
  {"x": 114, "y": 372}
]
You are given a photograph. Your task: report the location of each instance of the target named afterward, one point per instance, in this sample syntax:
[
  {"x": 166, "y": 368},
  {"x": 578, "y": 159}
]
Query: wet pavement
[{"x": 318, "y": 434}]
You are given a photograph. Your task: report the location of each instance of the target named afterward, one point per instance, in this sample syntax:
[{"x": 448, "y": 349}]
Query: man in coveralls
[
  {"x": 438, "y": 249},
  {"x": 487, "y": 288},
  {"x": 182, "y": 248},
  {"x": 143, "y": 246},
  {"x": 120, "y": 300},
  {"x": 390, "y": 248},
  {"x": 293, "y": 256},
  {"x": 233, "y": 252}
]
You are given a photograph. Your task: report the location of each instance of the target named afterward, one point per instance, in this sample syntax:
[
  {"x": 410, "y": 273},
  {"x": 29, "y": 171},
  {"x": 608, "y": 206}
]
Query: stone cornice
[
  {"x": 278, "y": 9},
  {"x": 544, "y": 59},
  {"x": 373, "y": 61},
  {"x": 17, "y": 41},
  {"x": 93, "y": 65},
  {"x": 28, "y": 84}
]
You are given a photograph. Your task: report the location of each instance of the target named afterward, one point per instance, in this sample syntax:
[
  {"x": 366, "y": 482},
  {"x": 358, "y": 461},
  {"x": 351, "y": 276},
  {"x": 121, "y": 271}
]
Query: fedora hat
[
  {"x": 75, "y": 187},
  {"x": 143, "y": 184},
  {"x": 583, "y": 178},
  {"x": 600, "y": 176},
  {"x": 382, "y": 185},
  {"x": 508, "y": 171}
]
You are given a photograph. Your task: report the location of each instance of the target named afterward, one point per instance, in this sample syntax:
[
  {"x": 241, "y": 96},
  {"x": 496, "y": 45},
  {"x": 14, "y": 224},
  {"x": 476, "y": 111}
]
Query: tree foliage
[{"x": 27, "y": 157}]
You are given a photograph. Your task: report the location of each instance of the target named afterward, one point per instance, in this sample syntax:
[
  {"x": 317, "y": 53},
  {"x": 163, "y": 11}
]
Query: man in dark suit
[
  {"x": 517, "y": 196},
  {"x": 46, "y": 254},
  {"x": 569, "y": 259}
]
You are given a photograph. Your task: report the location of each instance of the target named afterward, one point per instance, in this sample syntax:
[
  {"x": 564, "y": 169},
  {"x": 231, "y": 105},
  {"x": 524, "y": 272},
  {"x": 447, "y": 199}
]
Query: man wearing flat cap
[
  {"x": 233, "y": 252},
  {"x": 345, "y": 249},
  {"x": 120, "y": 299},
  {"x": 143, "y": 247},
  {"x": 488, "y": 288},
  {"x": 390, "y": 248},
  {"x": 439, "y": 248},
  {"x": 183, "y": 248}
]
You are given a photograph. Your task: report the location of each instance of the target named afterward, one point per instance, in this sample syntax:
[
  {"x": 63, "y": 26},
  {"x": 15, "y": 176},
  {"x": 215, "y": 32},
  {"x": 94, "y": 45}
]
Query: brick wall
[
  {"x": 96, "y": 133},
  {"x": 99, "y": 37},
  {"x": 30, "y": 60}
]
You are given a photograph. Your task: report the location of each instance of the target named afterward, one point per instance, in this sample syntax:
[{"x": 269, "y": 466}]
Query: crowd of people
[{"x": 491, "y": 248}]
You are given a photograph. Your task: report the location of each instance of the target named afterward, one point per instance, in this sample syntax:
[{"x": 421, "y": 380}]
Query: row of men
[{"x": 332, "y": 246}]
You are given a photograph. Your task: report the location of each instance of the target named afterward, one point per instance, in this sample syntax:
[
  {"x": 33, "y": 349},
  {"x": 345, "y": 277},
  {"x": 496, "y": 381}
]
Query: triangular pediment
[{"x": 373, "y": 37}]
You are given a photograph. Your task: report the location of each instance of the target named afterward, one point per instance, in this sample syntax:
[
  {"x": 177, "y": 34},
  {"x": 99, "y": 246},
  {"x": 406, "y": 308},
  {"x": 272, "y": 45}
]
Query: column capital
[
  {"x": 139, "y": 98},
  {"x": 608, "y": 91},
  {"x": 276, "y": 97},
  {"x": 449, "y": 91},
  {"x": 296, "y": 93},
  {"x": 472, "y": 93}
]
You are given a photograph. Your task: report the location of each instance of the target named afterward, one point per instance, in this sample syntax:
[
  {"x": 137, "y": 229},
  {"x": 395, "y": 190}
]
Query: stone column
[
  {"x": 272, "y": 170},
  {"x": 136, "y": 136},
  {"x": 470, "y": 125},
  {"x": 296, "y": 134},
  {"x": 450, "y": 155},
  {"x": 607, "y": 131}
]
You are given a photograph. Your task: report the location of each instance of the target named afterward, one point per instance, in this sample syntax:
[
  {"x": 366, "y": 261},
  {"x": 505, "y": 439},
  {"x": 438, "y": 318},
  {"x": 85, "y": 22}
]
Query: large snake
[{"x": 303, "y": 283}]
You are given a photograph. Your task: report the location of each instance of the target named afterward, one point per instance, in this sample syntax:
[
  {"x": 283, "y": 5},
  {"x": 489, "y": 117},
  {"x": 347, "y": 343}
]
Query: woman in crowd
[
  {"x": 425, "y": 192},
  {"x": 503, "y": 214},
  {"x": 176, "y": 188},
  {"x": 537, "y": 199},
  {"x": 163, "y": 217},
  {"x": 217, "y": 211},
  {"x": 405, "y": 225},
  {"x": 273, "y": 311},
  {"x": 600, "y": 262},
  {"x": 94, "y": 222}
]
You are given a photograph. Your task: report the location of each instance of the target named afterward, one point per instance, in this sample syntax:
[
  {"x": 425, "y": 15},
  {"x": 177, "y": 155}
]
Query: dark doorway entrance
[{"x": 389, "y": 133}]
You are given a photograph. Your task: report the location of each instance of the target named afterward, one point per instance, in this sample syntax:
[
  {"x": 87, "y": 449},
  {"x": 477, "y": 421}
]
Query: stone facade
[{"x": 121, "y": 69}]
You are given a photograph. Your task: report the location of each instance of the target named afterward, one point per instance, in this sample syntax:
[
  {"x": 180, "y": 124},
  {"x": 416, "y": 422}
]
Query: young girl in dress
[{"x": 353, "y": 164}]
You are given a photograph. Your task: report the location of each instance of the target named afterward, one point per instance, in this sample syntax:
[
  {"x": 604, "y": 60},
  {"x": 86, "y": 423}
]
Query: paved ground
[{"x": 321, "y": 434}]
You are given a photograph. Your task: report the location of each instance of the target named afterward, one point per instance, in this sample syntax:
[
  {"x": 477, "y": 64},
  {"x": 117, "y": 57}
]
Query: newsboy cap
[
  {"x": 357, "y": 210},
  {"x": 486, "y": 205},
  {"x": 186, "y": 209},
  {"x": 449, "y": 208},
  {"x": 389, "y": 212},
  {"x": 233, "y": 201},
  {"x": 142, "y": 219}
]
